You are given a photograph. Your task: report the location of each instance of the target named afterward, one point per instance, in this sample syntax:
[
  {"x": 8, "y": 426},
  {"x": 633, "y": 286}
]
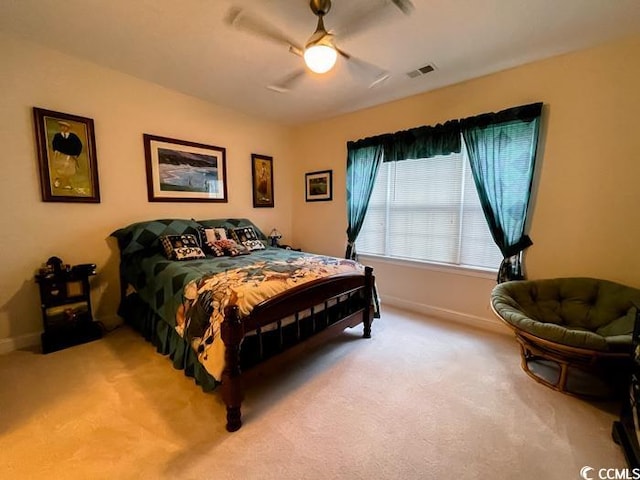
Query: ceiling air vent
[{"x": 430, "y": 67}]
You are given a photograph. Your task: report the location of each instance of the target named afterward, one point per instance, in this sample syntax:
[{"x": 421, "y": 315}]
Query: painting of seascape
[
  {"x": 187, "y": 172},
  {"x": 184, "y": 171}
]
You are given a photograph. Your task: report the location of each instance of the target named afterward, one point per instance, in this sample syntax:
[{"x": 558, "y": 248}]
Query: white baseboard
[
  {"x": 33, "y": 339},
  {"x": 493, "y": 325},
  {"x": 16, "y": 343}
]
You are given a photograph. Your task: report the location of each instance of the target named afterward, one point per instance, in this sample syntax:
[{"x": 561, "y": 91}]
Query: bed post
[
  {"x": 368, "y": 297},
  {"x": 232, "y": 394}
]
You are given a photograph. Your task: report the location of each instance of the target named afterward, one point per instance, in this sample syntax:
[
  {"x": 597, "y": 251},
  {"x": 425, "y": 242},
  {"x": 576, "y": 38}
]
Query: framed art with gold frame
[
  {"x": 262, "y": 178},
  {"x": 66, "y": 157}
]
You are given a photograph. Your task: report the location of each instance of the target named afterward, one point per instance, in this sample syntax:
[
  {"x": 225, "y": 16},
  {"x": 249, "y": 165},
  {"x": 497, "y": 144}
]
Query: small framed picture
[
  {"x": 181, "y": 171},
  {"x": 66, "y": 157},
  {"x": 262, "y": 176},
  {"x": 318, "y": 186}
]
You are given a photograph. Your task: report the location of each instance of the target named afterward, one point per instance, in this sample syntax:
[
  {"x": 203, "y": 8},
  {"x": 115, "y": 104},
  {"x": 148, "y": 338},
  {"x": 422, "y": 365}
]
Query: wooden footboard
[{"x": 350, "y": 295}]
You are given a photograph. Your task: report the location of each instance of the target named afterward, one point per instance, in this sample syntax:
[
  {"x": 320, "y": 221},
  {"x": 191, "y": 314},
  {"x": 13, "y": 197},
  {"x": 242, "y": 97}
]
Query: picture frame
[
  {"x": 262, "y": 180},
  {"x": 67, "y": 160},
  {"x": 183, "y": 171},
  {"x": 319, "y": 186}
]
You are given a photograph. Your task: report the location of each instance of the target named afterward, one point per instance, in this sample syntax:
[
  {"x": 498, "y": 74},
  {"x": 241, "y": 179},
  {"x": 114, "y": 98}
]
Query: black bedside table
[{"x": 66, "y": 309}]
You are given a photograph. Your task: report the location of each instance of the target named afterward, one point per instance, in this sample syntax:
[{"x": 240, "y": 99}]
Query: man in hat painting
[{"x": 66, "y": 149}]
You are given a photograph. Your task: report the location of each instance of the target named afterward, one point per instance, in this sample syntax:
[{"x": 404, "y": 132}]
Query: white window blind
[{"x": 428, "y": 210}]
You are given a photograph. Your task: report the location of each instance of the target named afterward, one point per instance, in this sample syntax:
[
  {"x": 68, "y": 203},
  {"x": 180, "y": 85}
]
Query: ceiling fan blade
[
  {"x": 370, "y": 17},
  {"x": 365, "y": 71},
  {"x": 296, "y": 51},
  {"x": 287, "y": 83},
  {"x": 406, "y": 6},
  {"x": 242, "y": 20}
]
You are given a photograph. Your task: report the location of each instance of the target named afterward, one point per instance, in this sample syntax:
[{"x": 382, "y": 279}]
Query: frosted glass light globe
[{"x": 320, "y": 58}]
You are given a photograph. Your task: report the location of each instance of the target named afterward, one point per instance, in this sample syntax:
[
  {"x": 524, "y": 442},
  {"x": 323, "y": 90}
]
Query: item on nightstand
[
  {"x": 289, "y": 247},
  {"x": 274, "y": 236},
  {"x": 84, "y": 269},
  {"x": 55, "y": 264}
]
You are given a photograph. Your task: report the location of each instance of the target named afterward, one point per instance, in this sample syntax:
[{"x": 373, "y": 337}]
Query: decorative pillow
[
  {"x": 247, "y": 236},
  {"x": 208, "y": 237},
  {"x": 231, "y": 223},
  {"x": 229, "y": 247},
  {"x": 214, "y": 234},
  {"x": 214, "y": 248},
  {"x": 181, "y": 247}
]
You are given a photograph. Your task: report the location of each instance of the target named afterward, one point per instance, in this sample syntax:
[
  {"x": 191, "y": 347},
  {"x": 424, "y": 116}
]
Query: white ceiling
[{"x": 187, "y": 46}]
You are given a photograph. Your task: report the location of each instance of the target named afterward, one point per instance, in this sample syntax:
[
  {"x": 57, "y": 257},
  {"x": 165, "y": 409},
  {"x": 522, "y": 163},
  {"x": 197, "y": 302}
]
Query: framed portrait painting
[
  {"x": 181, "y": 171},
  {"x": 66, "y": 157},
  {"x": 262, "y": 176},
  {"x": 318, "y": 186}
]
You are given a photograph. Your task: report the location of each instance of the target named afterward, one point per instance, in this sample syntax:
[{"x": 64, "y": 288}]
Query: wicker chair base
[{"x": 605, "y": 368}]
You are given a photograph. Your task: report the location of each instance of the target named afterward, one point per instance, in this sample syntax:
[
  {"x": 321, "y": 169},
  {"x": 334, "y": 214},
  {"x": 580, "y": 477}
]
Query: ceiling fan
[{"x": 320, "y": 52}]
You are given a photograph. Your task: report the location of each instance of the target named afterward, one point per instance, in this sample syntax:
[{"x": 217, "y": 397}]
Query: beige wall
[
  {"x": 583, "y": 220},
  {"x": 585, "y": 208},
  {"x": 123, "y": 108}
]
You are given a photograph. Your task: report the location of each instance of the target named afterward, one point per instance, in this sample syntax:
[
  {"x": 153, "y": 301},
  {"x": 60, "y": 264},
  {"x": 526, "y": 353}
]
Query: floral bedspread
[{"x": 199, "y": 316}]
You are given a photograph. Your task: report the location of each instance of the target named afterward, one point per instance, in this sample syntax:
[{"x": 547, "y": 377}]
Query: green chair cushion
[{"x": 579, "y": 312}]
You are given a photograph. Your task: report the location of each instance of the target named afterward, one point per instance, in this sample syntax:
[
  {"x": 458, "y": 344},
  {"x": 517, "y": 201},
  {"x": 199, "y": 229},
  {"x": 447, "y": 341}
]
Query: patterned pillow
[
  {"x": 208, "y": 238},
  {"x": 229, "y": 247},
  {"x": 181, "y": 247},
  {"x": 213, "y": 234},
  {"x": 247, "y": 236},
  {"x": 214, "y": 249}
]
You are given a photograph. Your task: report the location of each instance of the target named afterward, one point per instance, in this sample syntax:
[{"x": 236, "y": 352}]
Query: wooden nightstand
[{"x": 66, "y": 309}]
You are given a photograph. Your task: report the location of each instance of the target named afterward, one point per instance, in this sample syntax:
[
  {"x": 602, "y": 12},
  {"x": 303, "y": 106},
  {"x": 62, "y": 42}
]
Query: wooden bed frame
[
  {"x": 339, "y": 288},
  {"x": 293, "y": 320}
]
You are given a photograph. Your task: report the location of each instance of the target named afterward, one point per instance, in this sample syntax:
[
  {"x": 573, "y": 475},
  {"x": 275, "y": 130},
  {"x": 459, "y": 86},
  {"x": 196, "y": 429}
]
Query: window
[{"x": 428, "y": 209}]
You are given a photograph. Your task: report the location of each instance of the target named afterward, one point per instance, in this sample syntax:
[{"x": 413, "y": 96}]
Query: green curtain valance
[
  {"x": 422, "y": 142},
  {"x": 419, "y": 142},
  {"x": 524, "y": 113},
  {"x": 443, "y": 138}
]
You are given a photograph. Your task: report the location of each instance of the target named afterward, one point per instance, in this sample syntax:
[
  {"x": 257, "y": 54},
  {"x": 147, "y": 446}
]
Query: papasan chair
[{"x": 569, "y": 326}]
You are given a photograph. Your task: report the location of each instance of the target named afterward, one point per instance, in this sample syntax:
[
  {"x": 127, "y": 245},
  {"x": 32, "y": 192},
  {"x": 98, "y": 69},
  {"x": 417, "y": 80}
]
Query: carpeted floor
[{"x": 422, "y": 399}]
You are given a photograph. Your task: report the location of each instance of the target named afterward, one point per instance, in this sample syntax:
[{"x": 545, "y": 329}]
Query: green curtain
[
  {"x": 363, "y": 160},
  {"x": 502, "y": 151}
]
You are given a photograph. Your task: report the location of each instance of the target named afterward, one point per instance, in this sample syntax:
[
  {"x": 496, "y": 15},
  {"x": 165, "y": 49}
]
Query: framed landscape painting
[
  {"x": 181, "y": 171},
  {"x": 318, "y": 186},
  {"x": 67, "y": 162},
  {"x": 262, "y": 177}
]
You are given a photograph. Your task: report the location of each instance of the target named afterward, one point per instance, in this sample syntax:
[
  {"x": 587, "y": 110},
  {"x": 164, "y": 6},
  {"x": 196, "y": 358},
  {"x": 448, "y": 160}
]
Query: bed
[{"x": 220, "y": 306}]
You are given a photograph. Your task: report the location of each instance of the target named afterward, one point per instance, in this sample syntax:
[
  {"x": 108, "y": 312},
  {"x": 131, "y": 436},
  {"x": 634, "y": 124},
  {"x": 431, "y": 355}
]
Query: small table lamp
[{"x": 274, "y": 236}]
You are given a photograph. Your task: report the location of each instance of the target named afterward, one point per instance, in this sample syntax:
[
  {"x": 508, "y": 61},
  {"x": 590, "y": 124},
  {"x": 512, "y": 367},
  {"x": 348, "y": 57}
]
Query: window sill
[{"x": 435, "y": 267}]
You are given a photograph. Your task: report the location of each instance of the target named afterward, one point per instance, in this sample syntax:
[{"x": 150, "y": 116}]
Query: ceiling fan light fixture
[
  {"x": 320, "y": 58},
  {"x": 320, "y": 53}
]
